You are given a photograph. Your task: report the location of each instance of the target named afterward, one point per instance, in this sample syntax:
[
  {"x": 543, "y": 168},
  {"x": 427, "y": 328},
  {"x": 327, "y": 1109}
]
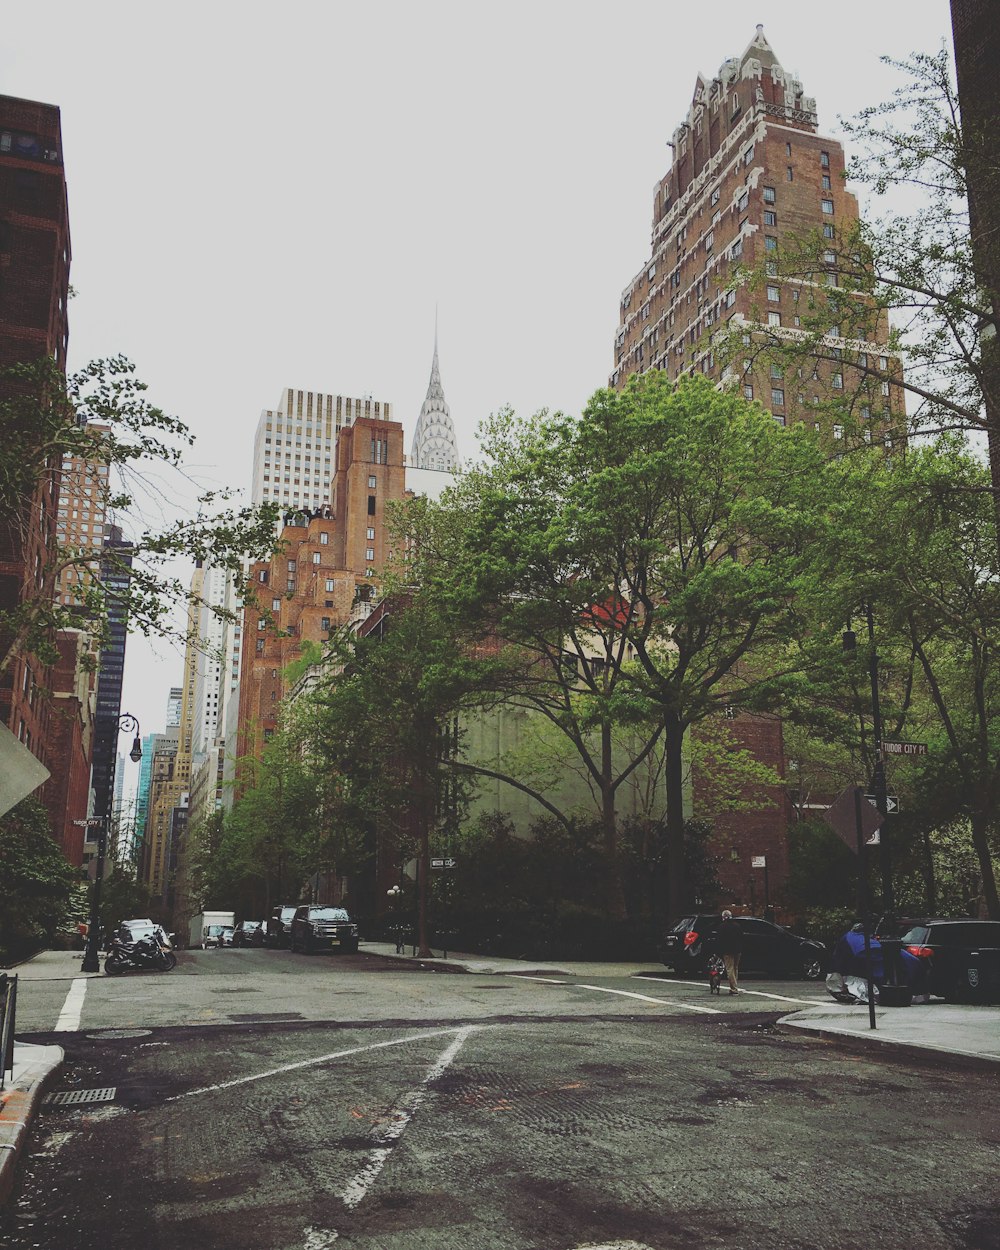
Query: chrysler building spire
[{"x": 434, "y": 445}]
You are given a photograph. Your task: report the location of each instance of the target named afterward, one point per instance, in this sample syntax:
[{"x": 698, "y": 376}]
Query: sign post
[{"x": 760, "y": 861}]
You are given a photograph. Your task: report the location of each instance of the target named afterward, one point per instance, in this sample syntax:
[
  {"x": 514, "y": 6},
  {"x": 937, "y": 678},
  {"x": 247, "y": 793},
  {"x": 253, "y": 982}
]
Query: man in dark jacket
[{"x": 729, "y": 944}]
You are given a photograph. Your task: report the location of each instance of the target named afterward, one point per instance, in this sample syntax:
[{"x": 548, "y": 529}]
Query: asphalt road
[{"x": 265, "y": 1101}]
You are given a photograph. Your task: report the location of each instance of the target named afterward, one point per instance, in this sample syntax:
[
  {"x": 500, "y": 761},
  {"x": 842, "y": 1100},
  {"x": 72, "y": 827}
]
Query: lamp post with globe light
[{"x": 91, "y": 959}]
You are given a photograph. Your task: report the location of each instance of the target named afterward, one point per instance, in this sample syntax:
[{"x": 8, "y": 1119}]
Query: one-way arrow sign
[{"x": 891, "y": 803}]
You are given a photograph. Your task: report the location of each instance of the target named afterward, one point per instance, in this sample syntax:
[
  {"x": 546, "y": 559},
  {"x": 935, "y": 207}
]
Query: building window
[
  {"x": 329, "y": 585},
  {"x": 748, "y": 391},
  {"x": 777, "y": 371},
  {"x": 788, "y": 149},
  {"x": 773, "y": 293},
  {"x": 827, "y": 207},
  {"x": 324, "y": 623},
  {"x": 824, "y": 159},
  {"x": 369, "y": 553},
  {"x": 771, "y": 268},
  {"x": 866, "y": 413},
  {"x": 885, "y": 388},
  {"x": 371, "y": 505},
  {"x": 774, "y": 319},
  {"x": 324, "y": 539},
  {"x": 788, "y": 173},
  {"x": 770, "y": 243},
  {"x": 828, "y": 230},
  {"x": 748, "y": 155},
  {"x": 827, "y": 185},
  {"x": 777, "y": 397},
  {"x": 743, "y": 201},
  {"x": 316, "y": 557},
  {"x": 715, "y": 195},
  {"x": 275, "y": 605},
  {"x": 709, "y": 241},
  {"x": 770, "y": 219},
  {"x": 371, "y": 534},
  {"x": 769, "y": 196},
  {"x": 778, "y": 417},
  {"x": 371, "y": 482},
  {"x": 838, "y": 381},
  {"x": 838, "y": 431}
]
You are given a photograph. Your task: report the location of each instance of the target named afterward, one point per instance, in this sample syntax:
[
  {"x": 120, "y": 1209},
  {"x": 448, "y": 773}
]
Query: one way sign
[{"x": 891, "y": 803}]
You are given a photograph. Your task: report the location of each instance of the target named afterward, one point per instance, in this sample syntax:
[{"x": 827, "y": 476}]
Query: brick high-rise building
[
  {"x": 34, "y": 289},
  {"x": 310, "y": 587},
  {"x": 750, "y": 174}
]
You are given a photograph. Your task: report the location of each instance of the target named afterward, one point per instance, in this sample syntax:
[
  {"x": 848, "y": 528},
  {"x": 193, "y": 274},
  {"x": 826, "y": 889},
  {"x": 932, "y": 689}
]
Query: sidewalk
[{"x": 35, "y": 1068}]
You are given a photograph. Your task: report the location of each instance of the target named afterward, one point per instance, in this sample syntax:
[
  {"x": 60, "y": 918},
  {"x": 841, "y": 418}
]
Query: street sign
[
  {"x": 91, "y": 823},
  {"x": 904, "y": 748},
  {"x": 442, "y": 863},
  {"x": 758, "y": 861},
  {"x": 891, "y": 803}
]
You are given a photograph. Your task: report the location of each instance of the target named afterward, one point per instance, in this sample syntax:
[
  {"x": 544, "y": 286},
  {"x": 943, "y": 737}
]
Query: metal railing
[{"x": 8, "y": 1012}]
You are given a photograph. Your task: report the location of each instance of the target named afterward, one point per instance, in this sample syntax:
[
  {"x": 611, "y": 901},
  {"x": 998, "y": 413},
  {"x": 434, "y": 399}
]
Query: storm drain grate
[{"x": 73, "y": 1097}]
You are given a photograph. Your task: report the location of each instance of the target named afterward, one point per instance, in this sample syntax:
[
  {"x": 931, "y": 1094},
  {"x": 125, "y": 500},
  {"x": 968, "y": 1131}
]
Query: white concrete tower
[{"x": 434, "y": 445}]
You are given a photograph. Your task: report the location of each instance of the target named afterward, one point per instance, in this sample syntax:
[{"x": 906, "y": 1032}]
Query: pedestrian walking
[{"x": 729, "y": 943}]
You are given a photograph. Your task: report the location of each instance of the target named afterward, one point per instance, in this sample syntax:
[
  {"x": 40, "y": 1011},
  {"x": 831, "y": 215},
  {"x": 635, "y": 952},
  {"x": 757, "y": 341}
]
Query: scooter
[{"x": 146, "y": 953}]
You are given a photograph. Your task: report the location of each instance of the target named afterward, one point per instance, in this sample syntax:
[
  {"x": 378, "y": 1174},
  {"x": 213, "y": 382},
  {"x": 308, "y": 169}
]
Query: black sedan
[{"x": 768, "y": 949}]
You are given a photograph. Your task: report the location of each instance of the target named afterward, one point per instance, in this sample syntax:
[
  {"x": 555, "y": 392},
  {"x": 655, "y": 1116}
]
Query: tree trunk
[
  {"x": 609, "y": 826},
  {"x": 981, "y": 842},
  {"x": 674, "y": 780}
]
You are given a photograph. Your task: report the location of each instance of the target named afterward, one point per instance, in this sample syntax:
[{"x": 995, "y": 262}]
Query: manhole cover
[
  {"x": 112, "y": 1034},
  {"x": 73, "y": 1097}
]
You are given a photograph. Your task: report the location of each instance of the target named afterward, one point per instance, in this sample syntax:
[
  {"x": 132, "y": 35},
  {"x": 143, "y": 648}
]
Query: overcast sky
[{"x": 278, "y": 195}]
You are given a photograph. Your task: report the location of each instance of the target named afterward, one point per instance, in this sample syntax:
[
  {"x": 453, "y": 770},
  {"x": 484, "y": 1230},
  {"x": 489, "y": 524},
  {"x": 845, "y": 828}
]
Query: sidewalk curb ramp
[{"x": 19, "y": 1103}]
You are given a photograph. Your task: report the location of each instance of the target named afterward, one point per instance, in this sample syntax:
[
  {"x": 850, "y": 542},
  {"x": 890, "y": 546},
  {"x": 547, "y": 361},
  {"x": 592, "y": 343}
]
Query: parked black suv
[
  {"x": 962, "y": 957},
  {"x": 279, "y": 926},
  {"x": 767, "y": 948},
  {"x": 320, "y": 927}
]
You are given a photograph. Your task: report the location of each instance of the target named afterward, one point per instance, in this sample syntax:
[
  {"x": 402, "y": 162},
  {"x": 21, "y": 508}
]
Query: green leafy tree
[
  {"x": 36, "y": 882},
  {"x": 382, "y": 726},
  {"x": 922, "y": 548},
  {"x": 656, "y": 543},
  {"x": 101, "y": 416}
]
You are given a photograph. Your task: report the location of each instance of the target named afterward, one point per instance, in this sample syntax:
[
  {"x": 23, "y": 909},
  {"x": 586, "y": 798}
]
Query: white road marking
[
  {"x": 386, "y": 1135},
  {"x": 318, "y": 1238},
  {"x": 645, "y": 998},
  {"x": 615, "y": 1245},
  {"x": 308, "y": 1063},
  {"x": 806, "y": 1002},
  {"x": 72, "y": 1008},
  {"x": 520, "y": 976}
]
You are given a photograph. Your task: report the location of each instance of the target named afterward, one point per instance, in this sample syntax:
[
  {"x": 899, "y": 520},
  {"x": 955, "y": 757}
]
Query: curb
[
  {"x": 19, "y": 1104},
  {"x": 850, "y": 1040}
]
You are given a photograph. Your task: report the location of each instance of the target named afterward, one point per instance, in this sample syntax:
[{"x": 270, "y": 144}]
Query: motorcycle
[{"x": 149, "y": 952}]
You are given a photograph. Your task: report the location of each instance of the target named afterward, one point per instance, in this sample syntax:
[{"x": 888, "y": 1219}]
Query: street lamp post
[{"x": 91, "y": 954}]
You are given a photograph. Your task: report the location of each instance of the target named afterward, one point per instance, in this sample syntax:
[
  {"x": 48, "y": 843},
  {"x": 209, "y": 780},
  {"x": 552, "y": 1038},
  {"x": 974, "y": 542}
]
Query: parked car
[
  {"x": 767, "y": 948},
  {"x": 217, "y": 935},
  {"x": 278, "y": 930},
  {"x": 962, "y": 956},
  {"x": 319, "y": 927},
  {"x": 130, "y": 931},
  {"x": 249, "y": 933}
]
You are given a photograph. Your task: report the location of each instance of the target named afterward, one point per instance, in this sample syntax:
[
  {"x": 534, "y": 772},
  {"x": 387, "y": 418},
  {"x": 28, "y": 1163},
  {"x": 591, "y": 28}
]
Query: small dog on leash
[{"x": 715, "y": 975}]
